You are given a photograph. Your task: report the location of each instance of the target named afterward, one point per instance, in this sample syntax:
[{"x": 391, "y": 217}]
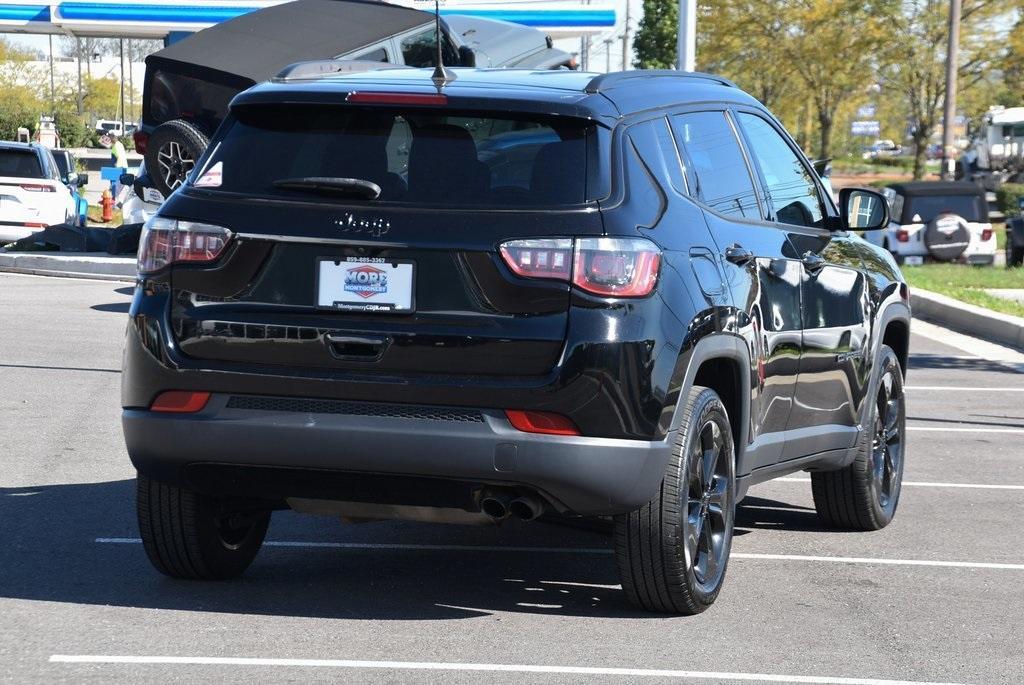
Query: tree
[
  {"x": 20, "y": 105},
  {"x": 915, "y": 69},
  {"x": 655, "y": 42}
]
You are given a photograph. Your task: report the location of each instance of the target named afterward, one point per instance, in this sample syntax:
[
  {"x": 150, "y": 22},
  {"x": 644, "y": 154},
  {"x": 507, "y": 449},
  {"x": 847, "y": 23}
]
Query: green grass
[{"x": 967, "y": 283}]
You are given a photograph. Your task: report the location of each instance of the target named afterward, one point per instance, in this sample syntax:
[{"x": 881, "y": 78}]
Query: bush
[
  {"x": 1008, "y": 196},
  {"x": 906, "y": 163}
]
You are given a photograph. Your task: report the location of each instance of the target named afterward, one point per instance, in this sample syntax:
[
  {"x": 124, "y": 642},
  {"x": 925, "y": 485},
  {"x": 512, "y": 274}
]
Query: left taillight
[
  {"x": 610, "y": 267},
  {"x": 986, "y": 234},
  {"x": 169, "y": 241}
]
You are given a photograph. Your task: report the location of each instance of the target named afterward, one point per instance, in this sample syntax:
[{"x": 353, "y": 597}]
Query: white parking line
[
  {"x": 922, "y": 484},
  {"x": 942, "y": 429},
  {"x": 488, "y": 668},
  {"x": 602, "y": 550},
  {"x": 959, "y": 388}
]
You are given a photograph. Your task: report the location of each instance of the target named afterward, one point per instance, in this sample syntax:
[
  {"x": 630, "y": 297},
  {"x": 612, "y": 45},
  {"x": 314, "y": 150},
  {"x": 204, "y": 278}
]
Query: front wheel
[
  {"x": 198, "y": 537},
  {"x": 864, "y": 495},
  {"x": 672, "y": 552}
]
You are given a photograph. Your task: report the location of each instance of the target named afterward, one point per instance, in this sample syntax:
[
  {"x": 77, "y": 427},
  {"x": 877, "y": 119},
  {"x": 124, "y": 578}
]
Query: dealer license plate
[{"x": 364, "y": 284}]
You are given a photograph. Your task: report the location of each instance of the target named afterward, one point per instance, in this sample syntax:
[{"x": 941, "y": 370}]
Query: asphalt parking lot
[{"x": 935, "y": 597}]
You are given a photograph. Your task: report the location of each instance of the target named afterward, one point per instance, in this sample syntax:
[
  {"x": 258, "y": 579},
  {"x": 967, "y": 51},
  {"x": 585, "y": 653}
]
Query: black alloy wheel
[
  {"x": 887, "y": 443},
  {"x": 708, "y": 524}
]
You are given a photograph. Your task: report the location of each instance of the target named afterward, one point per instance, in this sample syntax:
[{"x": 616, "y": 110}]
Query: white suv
[
  {"x": 938, "y": 221},
  {"x": 32, "y": 193}
]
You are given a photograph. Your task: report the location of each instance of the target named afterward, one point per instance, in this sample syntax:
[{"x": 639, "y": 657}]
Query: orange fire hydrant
[{"x": 107, "y": 203}]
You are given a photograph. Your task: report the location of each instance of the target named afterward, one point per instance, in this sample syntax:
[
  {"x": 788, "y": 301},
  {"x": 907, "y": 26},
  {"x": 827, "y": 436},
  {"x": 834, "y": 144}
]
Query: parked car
[
  {"x": 937, "y": 220},
  {"x": 113, "y": 128},
  {"x": 67, "y": 168},
  {"x": 139, "y": 200},
  {"x": 190, "y": 83},
  {"x": 33, "y": 194},
  {"x": 648, "y": 314},
  {"x": 882, "y": 148}
]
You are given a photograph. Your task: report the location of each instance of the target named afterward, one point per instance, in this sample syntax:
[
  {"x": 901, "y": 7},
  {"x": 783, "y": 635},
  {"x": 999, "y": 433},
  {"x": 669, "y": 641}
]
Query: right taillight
[
  {"x": 141, "y": 139},
  {"x": 903, "y": 235},
  {"x": 610, "y": 267},
  {"x": 169, "y": 241}
]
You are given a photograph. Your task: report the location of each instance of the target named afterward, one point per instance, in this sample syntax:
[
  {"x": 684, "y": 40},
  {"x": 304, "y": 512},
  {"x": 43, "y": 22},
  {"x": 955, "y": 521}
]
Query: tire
[
  {"x": 197, "y": 537},
  {"x": 663, "y": 568},
  {"x": 865, "y": 494},
  {"x": 172, "y": 153},
  {"x": 1014, "y": 254}
]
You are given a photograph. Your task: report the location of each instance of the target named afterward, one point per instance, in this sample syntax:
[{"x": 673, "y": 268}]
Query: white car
[
  {"x": 32, "y": 193},
  {"x": 938, "y": 221}
]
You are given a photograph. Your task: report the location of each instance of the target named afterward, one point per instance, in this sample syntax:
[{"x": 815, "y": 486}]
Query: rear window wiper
[{"x": 333, "y": 185}]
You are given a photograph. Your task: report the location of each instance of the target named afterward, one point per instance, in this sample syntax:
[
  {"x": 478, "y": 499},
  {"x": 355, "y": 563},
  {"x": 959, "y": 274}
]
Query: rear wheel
[
  {"x": 1014, "y": 254},
  {"x": 198, "y": 537},
  {"x": 672, "y": 553},
  {"x": 864, "y": 495}
]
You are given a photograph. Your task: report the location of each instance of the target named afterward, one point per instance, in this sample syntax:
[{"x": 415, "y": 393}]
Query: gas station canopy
[{"x": 163, "y": 18}]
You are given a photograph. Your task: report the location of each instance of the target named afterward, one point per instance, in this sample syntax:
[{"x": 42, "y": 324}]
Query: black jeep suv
[{"x": 623, "y": 295}]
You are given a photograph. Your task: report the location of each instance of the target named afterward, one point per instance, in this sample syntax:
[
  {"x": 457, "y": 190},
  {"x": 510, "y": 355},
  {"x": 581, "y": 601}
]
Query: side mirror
[
  {"x": 467, "y": 57},
  {"x": 82, "y": 180},
  {"x": 127, "y": 179},
  {"x": 863, "y": 210}
]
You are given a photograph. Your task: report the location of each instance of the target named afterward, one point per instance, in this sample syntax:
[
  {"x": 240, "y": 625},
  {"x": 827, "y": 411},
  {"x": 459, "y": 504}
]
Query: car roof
[
  {"x": 937, "y": 188},
  {"x": 596, "y": 96},
  {"x": 12, "y": 145}
]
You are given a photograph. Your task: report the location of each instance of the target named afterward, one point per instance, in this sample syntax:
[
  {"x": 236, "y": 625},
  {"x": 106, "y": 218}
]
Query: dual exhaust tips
[{"x": 501, "y": 505}]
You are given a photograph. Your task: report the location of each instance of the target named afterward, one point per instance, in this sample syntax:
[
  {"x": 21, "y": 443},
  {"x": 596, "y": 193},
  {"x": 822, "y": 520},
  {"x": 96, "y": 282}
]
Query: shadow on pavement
[
  {"x": 756, "y": 513},
  {"x": 922, "y": 361},
  {"x": 114, "y": 307},
  {"x": 51, "y": 554}
]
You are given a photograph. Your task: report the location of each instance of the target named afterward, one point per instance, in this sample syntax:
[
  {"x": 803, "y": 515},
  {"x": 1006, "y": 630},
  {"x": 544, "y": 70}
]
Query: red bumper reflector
[
  {"x": 180, "y": 401},
  {"x": 398, "y": 98},
  {"x": 544, "y": 422}
]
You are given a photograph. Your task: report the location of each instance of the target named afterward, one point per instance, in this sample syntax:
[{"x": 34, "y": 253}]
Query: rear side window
[
  {"x": 422, "y": 157},
  {"x": 653, "y": 140},
  {"x": 720, "y": 171},
  {"x": 791, "y": 190},
  {"x": 174, "y": 96},
  {"x": 21, "y": 164},
  {"x": 420, "y": 49}
]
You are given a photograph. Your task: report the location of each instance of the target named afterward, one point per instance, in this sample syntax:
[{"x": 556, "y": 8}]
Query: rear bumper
[{"x": 583, "y": 475}]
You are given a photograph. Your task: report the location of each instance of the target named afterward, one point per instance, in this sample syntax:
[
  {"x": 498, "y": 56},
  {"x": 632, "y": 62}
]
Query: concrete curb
[
  {"x": 96, "y": 265},
  {"x": 1003, "y": 329}
]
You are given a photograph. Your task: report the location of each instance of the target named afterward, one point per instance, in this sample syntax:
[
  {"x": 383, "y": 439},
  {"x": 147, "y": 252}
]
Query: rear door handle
[
  {"x": 738, "y": 255},
  {"x": 813, "y": 261}
]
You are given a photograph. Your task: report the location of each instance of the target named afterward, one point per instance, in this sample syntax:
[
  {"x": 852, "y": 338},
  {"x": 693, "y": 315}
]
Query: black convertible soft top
[
  {"x": 256, "y": 46},
  {"x": 936, "y": 188}
]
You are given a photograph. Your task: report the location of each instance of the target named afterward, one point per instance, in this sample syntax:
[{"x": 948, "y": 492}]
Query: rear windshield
[
  {"x": 922, "y": 209},
  {"x": 415, "y": 156},
  {"x": 20, "y": 163}
]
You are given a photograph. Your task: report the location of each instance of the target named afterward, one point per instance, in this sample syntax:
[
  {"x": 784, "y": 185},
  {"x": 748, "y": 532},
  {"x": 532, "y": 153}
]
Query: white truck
[{"x": 996, "y": 152}]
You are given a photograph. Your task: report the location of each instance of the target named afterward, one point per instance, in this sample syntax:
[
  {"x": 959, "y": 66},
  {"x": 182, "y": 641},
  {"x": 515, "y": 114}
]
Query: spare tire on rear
[
  {"x": 172, "y": 152},
  {"x": 946, "y": 237}
]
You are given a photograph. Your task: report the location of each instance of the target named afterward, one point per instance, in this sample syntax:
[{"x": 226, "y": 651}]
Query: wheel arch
[
  {"x": 895, "y": 327},
  {"x": 721, "y": 362}
]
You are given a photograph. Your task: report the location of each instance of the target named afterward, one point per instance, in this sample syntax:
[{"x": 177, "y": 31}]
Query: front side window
[
  {"x": 720, "y": 171},
  {"x": 791, "y": 189}
]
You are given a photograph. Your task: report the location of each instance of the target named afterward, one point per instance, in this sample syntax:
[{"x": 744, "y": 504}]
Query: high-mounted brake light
[
  {"x": 180, "y": 402},
  {"x": 397, "y": 98},
  {"x": 169, "y": 241},
  {"x": 610, "y": 267},
  {"x": 544, "y": 422},
  {"x": 38, "y": 188}
]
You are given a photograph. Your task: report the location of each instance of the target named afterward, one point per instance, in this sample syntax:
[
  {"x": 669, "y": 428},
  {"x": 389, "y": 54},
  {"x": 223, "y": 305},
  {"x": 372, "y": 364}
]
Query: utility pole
[
  {"x": 53, "y": 88},
  {"x": 625, "y": 41},
  {"x": 121, "y": 52},
  {"x": 78, "y": 54},
  {"x": 607, "y": 55},
  {"x": 686, "y": 45},
  {"x": 949, "y": 115}
]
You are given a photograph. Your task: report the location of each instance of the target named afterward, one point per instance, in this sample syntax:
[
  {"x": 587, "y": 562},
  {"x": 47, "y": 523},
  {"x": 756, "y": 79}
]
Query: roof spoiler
[{"x": 307, "y": 71}]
